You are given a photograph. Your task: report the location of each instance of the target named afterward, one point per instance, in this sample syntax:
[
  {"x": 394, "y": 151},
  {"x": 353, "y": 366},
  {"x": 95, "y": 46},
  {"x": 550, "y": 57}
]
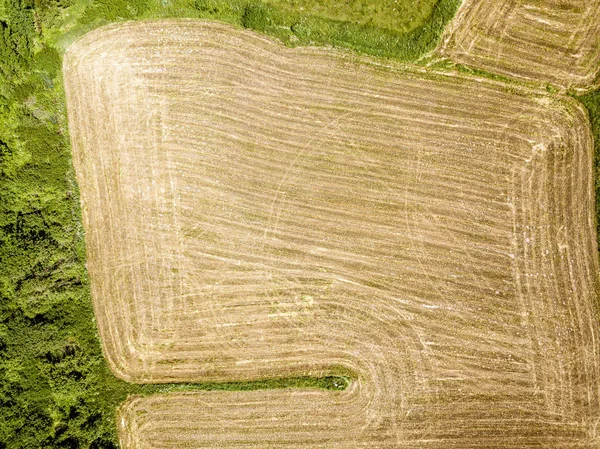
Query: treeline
[{"x": 55, "y": 390}]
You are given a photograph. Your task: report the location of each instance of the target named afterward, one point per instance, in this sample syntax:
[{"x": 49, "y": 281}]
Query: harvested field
[
  {"x": 256, "y": 211},
  {"x": 546, "y": 41}
]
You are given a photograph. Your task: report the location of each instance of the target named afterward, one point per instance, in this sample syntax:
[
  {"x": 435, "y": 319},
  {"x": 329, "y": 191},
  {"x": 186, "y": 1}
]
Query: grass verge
[{"x": 592, "y": 102}]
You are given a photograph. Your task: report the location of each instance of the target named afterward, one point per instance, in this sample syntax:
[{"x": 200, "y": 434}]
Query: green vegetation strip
[
  {"x": 326, "y": 383},
  {"x": 592, "y": 102},
  {"x": 292, "y": 26}
]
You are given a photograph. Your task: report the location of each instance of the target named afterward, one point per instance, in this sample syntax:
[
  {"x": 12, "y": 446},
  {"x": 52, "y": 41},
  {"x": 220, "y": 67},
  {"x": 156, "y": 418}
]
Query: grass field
[
  {"x": 403, "y": 15},
  {"x": 291, "y": 25},
  {"x": 265, "y": 215}
]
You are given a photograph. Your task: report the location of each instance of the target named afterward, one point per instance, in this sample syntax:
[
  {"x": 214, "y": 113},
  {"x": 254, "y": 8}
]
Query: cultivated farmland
[
  {"x": 254, "y": 211},
  {"x": 548, "y": 41}
]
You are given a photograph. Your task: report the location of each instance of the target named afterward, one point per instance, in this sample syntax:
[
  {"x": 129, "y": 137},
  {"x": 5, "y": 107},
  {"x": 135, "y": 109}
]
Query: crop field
[
  {"x": 548, "y": 41},
  {"x": 255, "y": 211}
]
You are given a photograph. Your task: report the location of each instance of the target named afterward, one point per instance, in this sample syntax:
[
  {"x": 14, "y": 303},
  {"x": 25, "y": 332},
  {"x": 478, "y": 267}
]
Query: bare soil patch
[{"x": 256, "y": 211}]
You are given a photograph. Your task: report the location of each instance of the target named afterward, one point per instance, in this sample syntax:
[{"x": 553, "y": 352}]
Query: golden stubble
[
  {"x": 543, "y": 41},
  {"x": 254, "y": 211}
]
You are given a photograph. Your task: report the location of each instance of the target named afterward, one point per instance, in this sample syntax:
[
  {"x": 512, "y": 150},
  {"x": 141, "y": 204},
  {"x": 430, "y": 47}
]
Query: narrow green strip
[
  {"x": 291, "y": 27},
  {"x": 335, "y": 383},
  {"x": 592, "y": 103}
]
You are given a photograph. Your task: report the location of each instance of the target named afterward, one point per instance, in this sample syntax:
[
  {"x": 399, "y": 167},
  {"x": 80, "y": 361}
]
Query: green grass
[
  {"x": 400, "y": 15},
  {"x": 291, "y": 26},
  {"x": 592, "y": 102},
  {"x": 56, "y": 390}
]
